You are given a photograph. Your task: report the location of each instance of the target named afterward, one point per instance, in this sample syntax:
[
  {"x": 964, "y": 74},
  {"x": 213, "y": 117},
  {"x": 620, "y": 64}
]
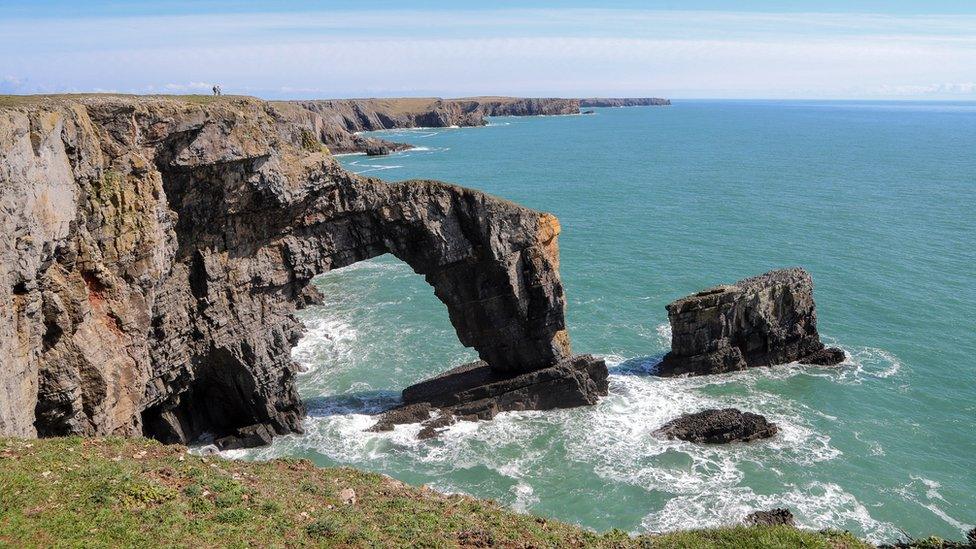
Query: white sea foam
[
  {"x": 616, "y": 440},
  {"x": 815, "y": 505},
  {"x": 524, "y": 497},
  {"x": 925, "y": 492},
  {"x": 664, "y": 333},
  {"x": 327, "y": 340},
  {"x": 372, "y": 167}
]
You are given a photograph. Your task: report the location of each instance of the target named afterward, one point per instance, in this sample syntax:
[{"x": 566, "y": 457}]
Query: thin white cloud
[{"x": 564, "y": 52}]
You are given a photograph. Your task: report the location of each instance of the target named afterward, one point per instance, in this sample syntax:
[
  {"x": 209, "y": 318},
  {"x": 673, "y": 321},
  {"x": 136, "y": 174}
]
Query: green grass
[
  {"x": 39, "y": 99},
  {"x": 73, "y": 492}
]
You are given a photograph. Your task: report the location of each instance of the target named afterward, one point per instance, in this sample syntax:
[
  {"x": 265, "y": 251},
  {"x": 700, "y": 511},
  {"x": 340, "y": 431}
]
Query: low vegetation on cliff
[{"x": 135, "y": 492}]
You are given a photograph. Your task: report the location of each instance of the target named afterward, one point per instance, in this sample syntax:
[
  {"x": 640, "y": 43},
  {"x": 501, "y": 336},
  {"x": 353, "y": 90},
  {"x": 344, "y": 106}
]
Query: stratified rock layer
[
  {"x": 719, "y": 427},
  {"x": 153, "y": 251},
  {"x": 760, "y": 321},
  {"x": 476, "y": 391}
]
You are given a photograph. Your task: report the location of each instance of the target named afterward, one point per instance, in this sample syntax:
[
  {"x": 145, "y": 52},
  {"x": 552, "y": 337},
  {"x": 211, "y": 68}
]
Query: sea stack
[{"x": 760, "y": 321}]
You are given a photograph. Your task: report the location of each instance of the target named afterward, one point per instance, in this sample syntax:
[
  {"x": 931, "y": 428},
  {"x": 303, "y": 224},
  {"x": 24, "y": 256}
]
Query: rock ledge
[{"x": 475, "y": 392}]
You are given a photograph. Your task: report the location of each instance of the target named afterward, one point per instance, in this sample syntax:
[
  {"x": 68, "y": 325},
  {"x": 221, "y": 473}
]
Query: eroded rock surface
[
  {"x": 153, "y": 251},
  {"x": 760, "y": 321},
  {"x": 774, "y": 517},
  {"x": 475, "y": 391},
  {"x": 719, "y": 427}
]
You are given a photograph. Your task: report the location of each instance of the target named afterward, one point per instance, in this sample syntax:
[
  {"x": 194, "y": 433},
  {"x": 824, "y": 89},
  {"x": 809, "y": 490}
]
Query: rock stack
[{"x": 760, "y": 321}]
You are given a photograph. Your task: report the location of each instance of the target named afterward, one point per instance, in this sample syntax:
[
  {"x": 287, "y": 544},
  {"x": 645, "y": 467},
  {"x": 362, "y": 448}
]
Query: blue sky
[{"x": 696, "y": 48}]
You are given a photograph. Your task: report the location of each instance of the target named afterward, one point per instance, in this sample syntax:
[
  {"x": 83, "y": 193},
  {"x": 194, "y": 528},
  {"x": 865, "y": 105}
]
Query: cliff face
[
  {"x": 624, "y": 102},
  {"x": 153, "y": 251}
]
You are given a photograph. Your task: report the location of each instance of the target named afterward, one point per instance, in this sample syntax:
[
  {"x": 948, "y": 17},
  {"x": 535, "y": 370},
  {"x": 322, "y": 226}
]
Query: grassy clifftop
[{"x": 134, "y": 492}]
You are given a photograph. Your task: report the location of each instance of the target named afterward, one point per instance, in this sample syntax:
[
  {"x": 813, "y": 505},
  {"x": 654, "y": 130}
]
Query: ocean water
[{"x": 876, "y": 200}]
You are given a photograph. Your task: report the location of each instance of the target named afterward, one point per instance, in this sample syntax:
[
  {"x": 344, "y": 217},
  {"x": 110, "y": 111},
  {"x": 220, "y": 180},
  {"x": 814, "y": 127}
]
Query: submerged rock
[
  {"x": 476, "y": 392},
  {"x": 760, "y": 321},
  {"x": 719, "y": 427},
  {"x": 774, "y": 517}
]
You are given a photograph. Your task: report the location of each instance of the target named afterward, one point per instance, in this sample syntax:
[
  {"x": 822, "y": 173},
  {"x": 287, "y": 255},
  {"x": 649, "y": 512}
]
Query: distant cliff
[
  {"x": 624, "y": 102},
  {"x": 340, "y": 119},
  {"x": 336, "y": 122}
]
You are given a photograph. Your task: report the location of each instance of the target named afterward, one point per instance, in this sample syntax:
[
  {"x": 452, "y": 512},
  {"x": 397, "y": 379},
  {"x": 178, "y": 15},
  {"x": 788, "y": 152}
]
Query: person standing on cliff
[{"x": 216, "y": 89}]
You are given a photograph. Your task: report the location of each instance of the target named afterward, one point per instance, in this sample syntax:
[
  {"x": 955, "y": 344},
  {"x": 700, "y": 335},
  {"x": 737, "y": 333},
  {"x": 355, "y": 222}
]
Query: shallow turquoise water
[{"x": 876, "y": 200}]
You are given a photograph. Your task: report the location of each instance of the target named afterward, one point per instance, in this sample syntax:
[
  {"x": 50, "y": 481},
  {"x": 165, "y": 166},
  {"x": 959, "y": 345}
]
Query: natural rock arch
[
  {"x": 492, "y": 263},
  {"x": 170, "y": 242}
]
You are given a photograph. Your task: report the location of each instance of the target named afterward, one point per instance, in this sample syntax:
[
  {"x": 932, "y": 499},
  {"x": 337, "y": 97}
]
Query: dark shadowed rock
[
  {"x": 246, "y": 437},
  {"x": 153, "y": 252},
  {"x": 475, "y": 391},
  {"x": 410, "y": 413},
  {"x": 719, "y": 427},
  {"x": 378, "y": 149},
  {"x": 828, "y": 356},
  {"x": 773, "y": 517},
  {"x": 760, "y": 321}
]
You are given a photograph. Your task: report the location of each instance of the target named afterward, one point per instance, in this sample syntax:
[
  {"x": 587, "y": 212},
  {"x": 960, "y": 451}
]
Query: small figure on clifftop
[{"x": 216, "y": 90}]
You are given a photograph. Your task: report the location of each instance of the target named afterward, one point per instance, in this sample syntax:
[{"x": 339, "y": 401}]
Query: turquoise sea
[{"x": 876, "y": 199}]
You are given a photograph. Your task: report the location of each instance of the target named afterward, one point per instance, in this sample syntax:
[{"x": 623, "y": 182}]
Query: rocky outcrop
[
  {"x": 828, "y": 356},
  {"x": 624, "y": 102},
  {"x": 760, "y": 321},
  {"x": 475, "y": 391},
  {"x": 774, "y": 517},
  {"x": 153, "y": 252},
  {"x": 719, "y": 427}
]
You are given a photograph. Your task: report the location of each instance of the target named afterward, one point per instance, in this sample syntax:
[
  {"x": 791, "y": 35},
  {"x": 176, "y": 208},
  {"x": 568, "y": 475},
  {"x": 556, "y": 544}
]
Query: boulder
[
  {"x": 828, "y": 356},
  {"x": 760, "y": 321},
  {"x": 773, "y": 517},
  {"x": 719, "y": 427}
]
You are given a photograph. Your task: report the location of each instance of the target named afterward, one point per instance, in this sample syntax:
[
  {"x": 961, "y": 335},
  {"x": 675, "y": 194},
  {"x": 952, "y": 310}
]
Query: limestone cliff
[{"x": 153, "y": 250}]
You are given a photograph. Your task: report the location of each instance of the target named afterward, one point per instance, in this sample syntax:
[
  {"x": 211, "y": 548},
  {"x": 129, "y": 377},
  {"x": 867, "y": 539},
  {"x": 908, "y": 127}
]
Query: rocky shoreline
[{"x": 337, "y": 122}]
